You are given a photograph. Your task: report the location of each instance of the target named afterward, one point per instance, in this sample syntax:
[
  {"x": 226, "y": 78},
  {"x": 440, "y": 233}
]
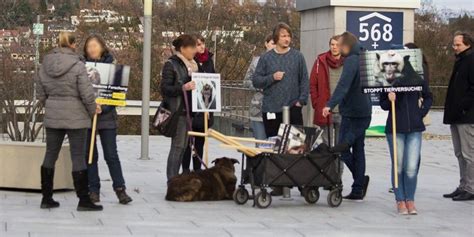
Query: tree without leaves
[{"x": 434, "y": 36}]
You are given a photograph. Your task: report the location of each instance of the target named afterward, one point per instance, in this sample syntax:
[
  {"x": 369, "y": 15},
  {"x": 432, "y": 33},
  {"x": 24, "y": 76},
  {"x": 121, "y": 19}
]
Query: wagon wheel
[
  {"x": 241, "y": 196},
  {"x": 335, "y": 198},
  {"x": 263, "y": 199},
  {"x": 311, "y": 195}
]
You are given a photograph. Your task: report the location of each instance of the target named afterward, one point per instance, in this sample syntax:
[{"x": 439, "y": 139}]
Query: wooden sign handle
[
  {"x": 206, "y": 140},
  {"x": 395, "y": 152},
  {"x": 92, "y": 144}
]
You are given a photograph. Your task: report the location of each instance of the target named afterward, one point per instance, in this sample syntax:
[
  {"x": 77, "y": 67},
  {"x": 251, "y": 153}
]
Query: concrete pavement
[{"x": 150, "y": 215}]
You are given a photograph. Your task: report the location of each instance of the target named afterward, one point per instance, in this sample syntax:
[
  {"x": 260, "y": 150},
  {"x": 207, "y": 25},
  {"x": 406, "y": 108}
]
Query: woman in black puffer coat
[{"x": 176, "y": 78}]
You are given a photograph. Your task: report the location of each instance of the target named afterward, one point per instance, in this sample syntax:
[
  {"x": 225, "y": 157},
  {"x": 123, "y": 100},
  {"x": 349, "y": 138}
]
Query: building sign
[
  {"x": 38, "y": 29},
  {"x": 376, "y": 30}
]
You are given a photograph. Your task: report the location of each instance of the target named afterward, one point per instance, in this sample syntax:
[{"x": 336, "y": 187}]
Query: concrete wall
[
  {"x": 322, "y": 19},
  {"x": 20, "y": 164}
]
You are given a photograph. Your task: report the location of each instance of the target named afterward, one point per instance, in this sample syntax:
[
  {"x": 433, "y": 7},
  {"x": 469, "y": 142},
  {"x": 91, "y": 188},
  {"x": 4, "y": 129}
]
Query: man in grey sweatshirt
[{"x": 282, "y": 75}]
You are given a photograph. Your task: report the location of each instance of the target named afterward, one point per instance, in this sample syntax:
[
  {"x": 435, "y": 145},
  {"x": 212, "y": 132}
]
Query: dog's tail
[{"x": 185, "y": 192}]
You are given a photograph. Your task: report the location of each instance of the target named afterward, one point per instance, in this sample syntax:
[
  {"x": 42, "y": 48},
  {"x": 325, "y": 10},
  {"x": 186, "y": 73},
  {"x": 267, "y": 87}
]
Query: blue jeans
[
  {"x": 258, "y": 130},
  {"x": 108, "y": 139},
  {"x": 408, "y": 149},
  {"x": 352, "y": 132}
]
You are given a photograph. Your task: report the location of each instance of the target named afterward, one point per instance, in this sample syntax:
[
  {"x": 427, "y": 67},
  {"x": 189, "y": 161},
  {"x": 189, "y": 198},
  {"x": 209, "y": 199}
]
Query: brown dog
[{"x": 216, "y": 183}]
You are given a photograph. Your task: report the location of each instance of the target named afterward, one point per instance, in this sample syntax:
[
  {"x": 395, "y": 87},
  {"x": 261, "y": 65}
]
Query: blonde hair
[{"x": 66, "y": 39}]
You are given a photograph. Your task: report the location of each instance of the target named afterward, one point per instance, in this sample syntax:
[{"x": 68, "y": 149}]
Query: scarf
[
  {"x": 332, "y": 61},
  {"x": 106, "y": 58},
  {"x": 191, "y": 65},
  {"x": 203, "y": 57}
]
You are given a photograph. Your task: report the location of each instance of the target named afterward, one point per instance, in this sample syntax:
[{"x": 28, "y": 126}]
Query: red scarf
[
  {"x": 203, "y": 57},
  {"x": 333, "y": 62},
  {"x": 319, "y": 85}
]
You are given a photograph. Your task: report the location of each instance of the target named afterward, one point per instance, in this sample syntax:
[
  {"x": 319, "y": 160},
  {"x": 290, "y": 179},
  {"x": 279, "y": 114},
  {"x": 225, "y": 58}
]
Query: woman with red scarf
[
  {"x": 323, "y": 80},
  {"x": 206, "y": 65}
]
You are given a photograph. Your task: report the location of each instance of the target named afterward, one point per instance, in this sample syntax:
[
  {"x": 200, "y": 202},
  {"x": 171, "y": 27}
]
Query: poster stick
[
  {"x": 91, "y": 147},
  {"x": 395, "y": 155},
  {"x": 251, "y": 140},
  {"x": 197, "y": 134},
  {"x": 242, "y": 139},
  {"x": 206, "y": 139},
  {"x": 243, "y": 147},
  {"x": 224, "y": 139}
]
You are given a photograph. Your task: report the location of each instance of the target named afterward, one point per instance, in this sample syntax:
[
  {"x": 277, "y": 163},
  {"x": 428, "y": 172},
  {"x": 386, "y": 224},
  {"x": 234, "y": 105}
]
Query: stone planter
[{"x": 20, "y": 164}]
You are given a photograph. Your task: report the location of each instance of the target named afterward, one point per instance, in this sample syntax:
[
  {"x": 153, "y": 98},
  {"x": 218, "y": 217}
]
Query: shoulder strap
[{"x": 180, "y": 77}]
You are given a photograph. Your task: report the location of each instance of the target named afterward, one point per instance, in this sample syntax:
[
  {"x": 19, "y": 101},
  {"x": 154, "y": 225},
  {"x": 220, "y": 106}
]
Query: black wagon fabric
[{"x": 316, "y": 170}]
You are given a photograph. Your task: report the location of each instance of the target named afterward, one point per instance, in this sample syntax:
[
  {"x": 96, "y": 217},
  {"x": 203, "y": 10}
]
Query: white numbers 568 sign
[
  {"x": 376, "y": 30},
  {"x": 375, "y": 33}
]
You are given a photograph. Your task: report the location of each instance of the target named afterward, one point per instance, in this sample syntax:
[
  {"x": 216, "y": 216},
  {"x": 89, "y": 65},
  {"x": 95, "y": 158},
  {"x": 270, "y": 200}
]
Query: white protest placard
[{"x": 207, "y": 95}]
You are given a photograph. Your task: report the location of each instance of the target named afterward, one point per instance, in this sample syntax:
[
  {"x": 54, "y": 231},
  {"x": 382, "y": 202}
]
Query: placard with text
[{"x": 110, "y": 82}]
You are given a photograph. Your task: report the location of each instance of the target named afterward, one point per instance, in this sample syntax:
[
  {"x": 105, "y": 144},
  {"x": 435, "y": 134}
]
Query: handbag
[
  {"x": 166, "y": 121},
  {"x": 167, "y": 115}
]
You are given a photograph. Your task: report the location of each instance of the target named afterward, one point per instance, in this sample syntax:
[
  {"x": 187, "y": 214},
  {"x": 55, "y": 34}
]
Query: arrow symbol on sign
[{"x": 375, "y": 14}]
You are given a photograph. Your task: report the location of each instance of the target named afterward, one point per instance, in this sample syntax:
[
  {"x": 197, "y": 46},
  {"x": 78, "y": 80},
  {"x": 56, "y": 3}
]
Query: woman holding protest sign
[
  {"x": 206, "y": 65},
  {"x": 65, "y": 89},
  {"x": 176, "y": 85},
  {"x": 410, "y": 109},
  {"x": 95, "y": 50}
]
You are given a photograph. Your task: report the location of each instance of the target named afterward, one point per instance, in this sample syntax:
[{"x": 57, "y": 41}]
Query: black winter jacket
[
  {"x": 173, "y": 76},
  {"x": 409, "y": 113},
  {"x": 108, "y": 118},
  {"x": 208, "y": 66},
  {"x": 459, "y": 105}
]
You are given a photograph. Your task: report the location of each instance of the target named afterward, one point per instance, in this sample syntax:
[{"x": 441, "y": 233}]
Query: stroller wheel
[
  {"x": 311, "y": 195},
  {"x": 263, "y": 199},
  {"x": 335, "y": 198},
  {"x": 241, "y": 196}
]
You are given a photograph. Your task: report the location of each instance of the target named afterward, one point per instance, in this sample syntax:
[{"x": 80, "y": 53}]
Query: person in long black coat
[{"x": 459, "y": 114}]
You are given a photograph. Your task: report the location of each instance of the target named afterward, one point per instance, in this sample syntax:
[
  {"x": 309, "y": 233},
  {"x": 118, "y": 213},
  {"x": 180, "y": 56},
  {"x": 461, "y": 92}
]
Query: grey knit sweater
[{"x": 293, "y": 88}]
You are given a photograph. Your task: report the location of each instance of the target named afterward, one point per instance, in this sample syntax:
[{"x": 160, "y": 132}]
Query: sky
[{"x": 455, "y": 4}]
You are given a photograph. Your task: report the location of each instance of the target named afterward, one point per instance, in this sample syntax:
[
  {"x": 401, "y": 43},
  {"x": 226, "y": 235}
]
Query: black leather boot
[
  {"x": 122, "y": 196},
  {"x": 81, "y": 184},
  {"x": 47, "y": 177}
]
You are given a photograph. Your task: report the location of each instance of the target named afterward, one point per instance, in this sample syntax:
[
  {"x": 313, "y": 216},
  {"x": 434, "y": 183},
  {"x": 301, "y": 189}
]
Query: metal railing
[
  {"x": 236, "y": 102},
  {"x": 440, "y": 94}
]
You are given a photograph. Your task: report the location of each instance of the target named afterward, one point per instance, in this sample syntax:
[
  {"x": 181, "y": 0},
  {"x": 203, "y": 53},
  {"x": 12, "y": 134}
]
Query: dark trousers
[
  {"x": 77, "y": 147},
  {"x": 353, "y": 133},
  {"x": 108, "y": 139},
  {"x": 179, "y": 142},
  {"x": 199, "y": 146},
  {"x": 272, "y": 126}
]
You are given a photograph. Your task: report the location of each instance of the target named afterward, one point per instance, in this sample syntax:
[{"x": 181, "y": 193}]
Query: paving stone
[{"x": 150, "y": 215}]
